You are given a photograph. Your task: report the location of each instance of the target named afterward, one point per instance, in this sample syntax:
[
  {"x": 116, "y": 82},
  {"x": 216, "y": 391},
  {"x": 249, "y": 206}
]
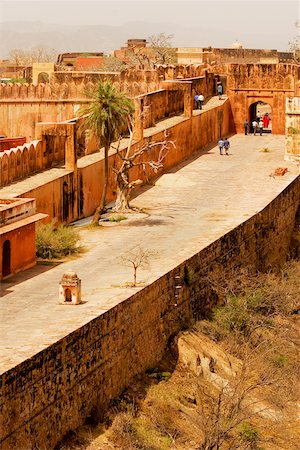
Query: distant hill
[
  {"x": 67, "y": 38},
  {"x": 87, "y": 38}
]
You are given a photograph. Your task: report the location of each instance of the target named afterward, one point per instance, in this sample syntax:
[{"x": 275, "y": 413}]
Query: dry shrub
[
  {"x": 122, "y": 432},
  {"x": 57, "y": 242}
]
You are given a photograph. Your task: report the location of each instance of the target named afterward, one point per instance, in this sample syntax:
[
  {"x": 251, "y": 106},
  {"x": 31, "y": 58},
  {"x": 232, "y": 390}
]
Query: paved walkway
[{"x": 189, "y": 207}]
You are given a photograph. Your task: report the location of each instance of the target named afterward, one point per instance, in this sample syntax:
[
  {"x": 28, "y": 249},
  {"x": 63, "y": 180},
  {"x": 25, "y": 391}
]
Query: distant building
[
  {"x": 17, "y": 235},
  {"x": 80, "y": 60},
  {"x": 192, "y": 55},
  {"x": 234, "y": 55},
  {"x": 237, "y": 44},
  {"x": 8, "y": 70},
  {"x": 134, "y": 46},
  {"x": 7, "y": 143}
]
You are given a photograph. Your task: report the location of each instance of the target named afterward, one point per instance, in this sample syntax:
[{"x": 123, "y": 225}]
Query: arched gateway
[{"x": 261, "y": 110}]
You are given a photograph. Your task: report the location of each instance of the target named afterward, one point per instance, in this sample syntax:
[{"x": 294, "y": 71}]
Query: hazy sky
[{"x": 254, "y": 23}]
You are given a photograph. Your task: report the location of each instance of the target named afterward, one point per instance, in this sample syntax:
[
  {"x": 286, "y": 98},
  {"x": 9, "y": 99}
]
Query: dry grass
[{"x": 233, "y": 382}]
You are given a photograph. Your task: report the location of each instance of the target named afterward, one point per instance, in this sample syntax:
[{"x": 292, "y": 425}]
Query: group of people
[
  {"x": 258, "y": 124},
  {"x": 224, "y": 144},
  {"x": 199, "y": 99}
]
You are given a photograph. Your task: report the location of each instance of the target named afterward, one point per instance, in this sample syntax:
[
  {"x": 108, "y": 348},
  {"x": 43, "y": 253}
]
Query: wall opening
[
  {"x": 68, "y": 295},
  {"x": 43, "y": 77},
  {"x": 263, "y": 110},
  {"x": 6, "y": 259}
]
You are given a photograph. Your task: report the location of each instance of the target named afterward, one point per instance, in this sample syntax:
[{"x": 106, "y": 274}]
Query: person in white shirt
[
  {"x": 200, "y": 100},
  {"x": 261, "y": 127},
  {"x": 254, "y": 125}
]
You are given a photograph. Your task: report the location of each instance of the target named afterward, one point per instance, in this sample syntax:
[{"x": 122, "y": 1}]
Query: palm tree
[{"x": 107, "y": 115}]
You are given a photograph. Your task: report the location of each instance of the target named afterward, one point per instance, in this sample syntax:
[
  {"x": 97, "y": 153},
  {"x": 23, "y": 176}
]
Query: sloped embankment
[{"x": 228, "y": 383}]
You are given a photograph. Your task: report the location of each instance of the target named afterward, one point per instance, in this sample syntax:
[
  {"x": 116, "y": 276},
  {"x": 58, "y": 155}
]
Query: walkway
[{"x": 189, "y": 207}]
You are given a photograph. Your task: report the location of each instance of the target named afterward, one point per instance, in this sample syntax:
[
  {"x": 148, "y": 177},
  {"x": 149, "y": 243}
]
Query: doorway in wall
[
  {"x": 263, "y": 110},
  {"x": 6, "y": 258}
]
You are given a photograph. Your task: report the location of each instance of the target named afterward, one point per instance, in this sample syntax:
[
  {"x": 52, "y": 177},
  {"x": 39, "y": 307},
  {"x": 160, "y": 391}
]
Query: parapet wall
[
  {"x": 22, "y": 106},
  {"x": 49, "y": 149},
  {"x": 57, "y": 389},
  {"x": 68, "y": 197},
  {"x": 35, "y": 156}
]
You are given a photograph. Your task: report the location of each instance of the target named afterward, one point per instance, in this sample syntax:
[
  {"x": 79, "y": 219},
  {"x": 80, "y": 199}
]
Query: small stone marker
[{"x": 70, "y": 289}]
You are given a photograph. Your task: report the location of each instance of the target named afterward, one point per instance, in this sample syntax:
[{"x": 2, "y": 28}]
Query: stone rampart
[
  {"x": 68, "y": 198},
  {"x": 35, "y": 156},
  {"x": 75, "y": 378},
  {"x": 155, "y": 106},
  {"x": 248, "y": 85},
  {"x": 24, "y": 105}
]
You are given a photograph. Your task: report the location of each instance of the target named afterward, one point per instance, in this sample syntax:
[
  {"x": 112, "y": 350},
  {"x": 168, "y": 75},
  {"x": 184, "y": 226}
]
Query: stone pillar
[
  {"x": 188, "y": 102},
  {"x": 138, "y": 129},
  {"x": 70, "y": 149}
]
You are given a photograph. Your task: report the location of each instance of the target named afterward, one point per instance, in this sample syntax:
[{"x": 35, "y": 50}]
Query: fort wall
[
  {"x": 48, "y": 148},
  {"x": 75, "y": 378},
  {"x": 24, "y": 105},
  {"x": 248, "y": 84},
  {"x": 25, "y": 160},
  {"x": 68, "y": 197}
]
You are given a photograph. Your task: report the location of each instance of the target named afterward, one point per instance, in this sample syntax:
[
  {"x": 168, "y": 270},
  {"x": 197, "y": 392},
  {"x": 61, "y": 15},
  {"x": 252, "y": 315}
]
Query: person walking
[
  {"x": 221, "y": 145},
  {"x": 254, "y": 125},
  {"x": 226, "y": 145},
  {"x": 261, "y": 127},
  {"x": 196, "y": 98},
  {"x": 220, "y": 91},
  {"x": 266, "y": 120},
  {"x": 246, "y": 127},
  {"x": 200, "y": 100}
]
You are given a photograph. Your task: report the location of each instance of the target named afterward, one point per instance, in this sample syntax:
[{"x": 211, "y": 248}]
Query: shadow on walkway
[{"x": 41, "y": 267}]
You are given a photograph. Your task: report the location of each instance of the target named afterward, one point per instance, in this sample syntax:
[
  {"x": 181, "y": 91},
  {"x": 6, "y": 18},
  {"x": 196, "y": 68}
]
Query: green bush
[
  {"x": 248, "y": 433},
  {"x": 55, "y": 243}
]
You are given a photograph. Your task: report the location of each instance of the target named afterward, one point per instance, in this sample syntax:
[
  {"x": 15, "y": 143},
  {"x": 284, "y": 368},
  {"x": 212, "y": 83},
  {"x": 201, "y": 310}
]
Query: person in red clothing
[{"x": 266, "y": 120}]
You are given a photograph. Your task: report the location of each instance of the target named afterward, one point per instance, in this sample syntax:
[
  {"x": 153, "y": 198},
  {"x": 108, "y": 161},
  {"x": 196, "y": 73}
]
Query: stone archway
[
  {"x": 43, "y": 77},
  {"x": 6, "y": 259},
  {"x": 260, "y": 108}
]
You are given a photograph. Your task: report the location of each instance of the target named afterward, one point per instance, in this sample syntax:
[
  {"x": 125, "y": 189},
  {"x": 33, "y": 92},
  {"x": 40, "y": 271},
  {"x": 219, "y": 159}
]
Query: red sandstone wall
[
  {"x": 24, "y": 160},
  {"x": 81, "y": 199},
  {"x": 250, "y": 83},
  {"x": 58, "y": 388},
  {"x": 22, "y": 243},
  {"x": 89, "y": 63}
]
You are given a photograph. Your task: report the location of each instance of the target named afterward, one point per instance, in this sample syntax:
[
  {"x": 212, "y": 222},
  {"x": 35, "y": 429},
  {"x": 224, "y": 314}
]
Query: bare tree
[
  {"x": 229, "y": 414},
  {"x": 133, "y": 159},
  {"x": 138, "y": 257},
  {"x": 163, "y": 50},
  {"x": 17, "y": 56},
  {"x": 112, "y": 64},
  {"x": 23, "y": 57},
  {"x": 295, "y": 44},
  {"x": 160, "y": 51}
]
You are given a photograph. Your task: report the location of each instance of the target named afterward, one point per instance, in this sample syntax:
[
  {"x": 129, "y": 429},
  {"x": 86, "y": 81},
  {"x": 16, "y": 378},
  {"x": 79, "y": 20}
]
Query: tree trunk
[
  {"x": 100, "y": 208},
  {"x": 123, "y": 190},
  {"x": 122, "y": 200}
]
